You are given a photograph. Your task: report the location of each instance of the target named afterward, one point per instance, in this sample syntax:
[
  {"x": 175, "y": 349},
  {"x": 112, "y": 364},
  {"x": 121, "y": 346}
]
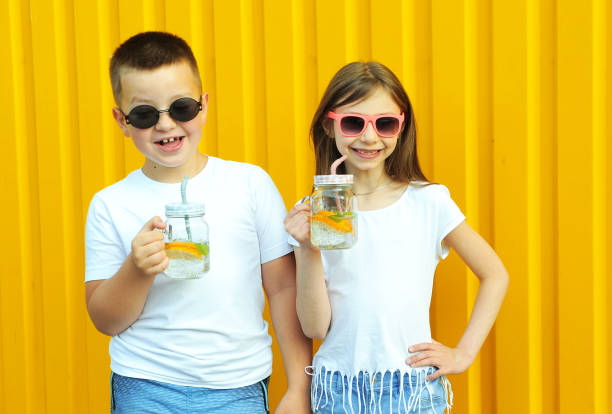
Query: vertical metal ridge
[
  {"x": 53, "y": 364},
  {"x": 153, "y": 15},
  {"x": 247, "y": 47},
  {"x": 422, "y": 67},
  {"x": 68, "y": 175},
  {"x": 300, "y": 132},
  {"x": 24, "y": 212},
  {"x": 350, "y": 30},
  {"x": 470, "y": 62},
  {"x": 205, "y": 14},
  {"x": 547, "y": 189},
  {"x": 408, "y": 43},
  {"x": 29, "y": 180},
  {"x": 575, "y": 196},
  {"x": 599, "y": 219},
  {"x": 113, "y": 160},
  {"x": 534, "y": 220}
]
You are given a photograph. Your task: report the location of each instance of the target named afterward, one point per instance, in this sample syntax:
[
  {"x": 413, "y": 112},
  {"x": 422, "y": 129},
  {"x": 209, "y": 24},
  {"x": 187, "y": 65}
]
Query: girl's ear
[{"x": 328, "y": 126}]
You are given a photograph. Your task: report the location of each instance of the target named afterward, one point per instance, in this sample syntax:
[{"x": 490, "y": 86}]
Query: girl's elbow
[
  {"x": 315, "y": 333},
  {"x": 314, "y": 330},
  {"x": 503, "y": 280}
]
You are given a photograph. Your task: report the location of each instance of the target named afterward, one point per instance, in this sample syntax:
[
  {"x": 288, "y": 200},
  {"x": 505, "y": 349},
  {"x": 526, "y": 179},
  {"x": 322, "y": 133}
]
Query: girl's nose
[
  {"x": 369, "y": 135},
  {"x": 165, "y": 122}
]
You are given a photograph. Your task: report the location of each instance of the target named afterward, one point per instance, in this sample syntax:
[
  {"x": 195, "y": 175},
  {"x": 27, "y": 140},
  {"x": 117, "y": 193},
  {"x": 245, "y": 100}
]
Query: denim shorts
[
  {"x": 140, "y": 396},
  {"x": 380, "y": 393}
]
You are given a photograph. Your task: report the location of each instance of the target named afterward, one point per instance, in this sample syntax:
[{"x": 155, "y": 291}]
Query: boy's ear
[
  {"x": 121, "y": 121},
  {"x": 204, "y": 98}
]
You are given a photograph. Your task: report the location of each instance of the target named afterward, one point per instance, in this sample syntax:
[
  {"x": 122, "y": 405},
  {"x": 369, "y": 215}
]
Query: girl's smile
[{"x": 366, "y": 153}]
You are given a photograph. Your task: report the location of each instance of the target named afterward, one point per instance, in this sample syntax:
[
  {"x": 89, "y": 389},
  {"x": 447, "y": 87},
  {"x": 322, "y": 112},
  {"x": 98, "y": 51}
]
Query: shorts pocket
[{"x": 264, "y": 389}]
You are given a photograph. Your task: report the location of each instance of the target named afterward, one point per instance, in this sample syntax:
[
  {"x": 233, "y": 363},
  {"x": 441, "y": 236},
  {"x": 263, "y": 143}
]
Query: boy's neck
[{"x": 163, "y": 174}]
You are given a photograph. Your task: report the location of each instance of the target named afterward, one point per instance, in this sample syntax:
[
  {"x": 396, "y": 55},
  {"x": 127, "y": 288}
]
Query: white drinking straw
[{"x": 184, "y": 198}]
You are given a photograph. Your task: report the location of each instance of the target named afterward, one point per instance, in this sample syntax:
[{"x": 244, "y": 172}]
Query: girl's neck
[
  {"x": 375, "y": 189},
  {"x": 369, "y": 182}
]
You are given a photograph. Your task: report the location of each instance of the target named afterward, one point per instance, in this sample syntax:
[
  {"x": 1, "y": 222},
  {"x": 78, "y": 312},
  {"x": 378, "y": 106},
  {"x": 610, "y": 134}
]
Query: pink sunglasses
[{"x": 352, "y": 125}]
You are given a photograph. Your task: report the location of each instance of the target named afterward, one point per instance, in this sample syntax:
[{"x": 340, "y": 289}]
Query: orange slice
[
  {"x": 183, "y": 250},
  {"x": 343, "y": 225}
]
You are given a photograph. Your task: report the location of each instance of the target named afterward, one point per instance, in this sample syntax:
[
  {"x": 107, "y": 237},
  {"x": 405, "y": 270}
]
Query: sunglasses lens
[
  {"x": 351, "y": 125},
  {"x": 143, "y": 116},
  {"x": 184, "y": 109},
  {"x": 387, "y": 126}
]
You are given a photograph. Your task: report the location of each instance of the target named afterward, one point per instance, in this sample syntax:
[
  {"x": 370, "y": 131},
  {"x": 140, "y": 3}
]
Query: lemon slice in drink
[{"x": 183, "y": 250}]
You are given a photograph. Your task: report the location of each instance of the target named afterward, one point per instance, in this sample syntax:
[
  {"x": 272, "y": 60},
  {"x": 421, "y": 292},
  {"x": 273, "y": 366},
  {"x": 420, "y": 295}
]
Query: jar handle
[{"x": 167, "y": 231}]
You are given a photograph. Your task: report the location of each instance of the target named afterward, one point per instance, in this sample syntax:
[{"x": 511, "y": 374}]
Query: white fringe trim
[{"x": 322, "y": 382}]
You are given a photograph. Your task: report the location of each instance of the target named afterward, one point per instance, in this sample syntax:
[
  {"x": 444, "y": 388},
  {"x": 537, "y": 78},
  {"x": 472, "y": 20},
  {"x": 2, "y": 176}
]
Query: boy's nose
[{"x": 165, "y": 122}]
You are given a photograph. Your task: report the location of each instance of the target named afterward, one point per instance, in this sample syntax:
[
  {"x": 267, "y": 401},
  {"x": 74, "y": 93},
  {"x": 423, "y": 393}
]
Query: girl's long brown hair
[{"x": 353, "y": 83}]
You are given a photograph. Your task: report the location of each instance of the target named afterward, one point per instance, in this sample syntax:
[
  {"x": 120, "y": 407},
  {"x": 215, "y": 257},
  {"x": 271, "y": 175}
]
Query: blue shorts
[
  {"x": 140, "y": 396},
  {"x": 334, "y": 393}
]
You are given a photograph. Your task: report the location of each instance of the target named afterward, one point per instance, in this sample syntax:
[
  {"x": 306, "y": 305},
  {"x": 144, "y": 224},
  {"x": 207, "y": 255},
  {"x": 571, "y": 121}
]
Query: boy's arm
[
  {"x": 278, "y": 278},
  {"x": 114, "y": 304}
]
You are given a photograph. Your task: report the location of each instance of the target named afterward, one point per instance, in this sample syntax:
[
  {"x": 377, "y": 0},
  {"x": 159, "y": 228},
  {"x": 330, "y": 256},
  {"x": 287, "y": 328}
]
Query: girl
[{"x": 370, "y": 303}]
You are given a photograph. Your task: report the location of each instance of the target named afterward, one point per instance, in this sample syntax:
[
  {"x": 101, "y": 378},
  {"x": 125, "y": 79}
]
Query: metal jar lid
[
  {"x": 184, "y": 209},
  {"x": 333, "y": 179}
]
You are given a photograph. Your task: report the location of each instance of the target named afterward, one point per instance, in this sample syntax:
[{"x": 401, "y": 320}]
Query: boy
[{"x": 198, "y": 345}]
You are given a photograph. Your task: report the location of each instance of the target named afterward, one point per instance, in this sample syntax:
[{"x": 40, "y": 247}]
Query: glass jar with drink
[
  {"x": 333, "y": 223},
  {"x": 186, "y": 241}
]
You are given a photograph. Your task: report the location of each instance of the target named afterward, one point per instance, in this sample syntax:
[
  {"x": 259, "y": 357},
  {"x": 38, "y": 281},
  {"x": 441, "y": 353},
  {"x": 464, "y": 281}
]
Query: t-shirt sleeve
[
  {"x": 104, "y": 254},
  {"x": 449, "y": 216},
  {"x": 270, "y": 213}
]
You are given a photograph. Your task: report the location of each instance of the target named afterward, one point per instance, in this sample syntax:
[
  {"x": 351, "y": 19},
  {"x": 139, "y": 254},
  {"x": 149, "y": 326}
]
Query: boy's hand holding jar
[{"x": 148, "y": 252}]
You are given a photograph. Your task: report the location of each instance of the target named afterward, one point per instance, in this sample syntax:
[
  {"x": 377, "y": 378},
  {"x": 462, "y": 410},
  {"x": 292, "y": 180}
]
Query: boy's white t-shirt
[
  {"x": 206, "y": 332},
  {"x": 380, "y": 289}
]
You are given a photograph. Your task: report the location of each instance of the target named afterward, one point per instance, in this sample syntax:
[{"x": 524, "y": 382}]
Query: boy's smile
[{"x": 170, "y": 146}]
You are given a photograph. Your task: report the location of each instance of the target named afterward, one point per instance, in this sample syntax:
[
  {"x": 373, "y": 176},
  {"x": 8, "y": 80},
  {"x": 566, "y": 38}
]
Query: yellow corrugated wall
[{"x": 513, "y": 106}]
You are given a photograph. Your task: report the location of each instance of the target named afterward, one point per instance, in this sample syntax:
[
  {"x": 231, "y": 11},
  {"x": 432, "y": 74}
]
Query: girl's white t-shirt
[
  {"x": 206, "y": 332},
  {"x": 380, "y": 289}
]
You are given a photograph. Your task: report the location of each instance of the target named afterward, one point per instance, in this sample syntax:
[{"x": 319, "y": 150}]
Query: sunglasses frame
[
  {"x": 160, "y": 111},
  {"x": 367, "y": 120}
]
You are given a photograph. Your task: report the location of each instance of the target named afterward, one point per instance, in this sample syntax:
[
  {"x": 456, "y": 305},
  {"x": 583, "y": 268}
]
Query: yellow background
[{"x": 513, "y": 105}]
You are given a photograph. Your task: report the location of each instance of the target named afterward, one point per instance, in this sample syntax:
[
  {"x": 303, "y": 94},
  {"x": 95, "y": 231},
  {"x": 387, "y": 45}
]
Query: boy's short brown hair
[{"x": 148, "y": 51}]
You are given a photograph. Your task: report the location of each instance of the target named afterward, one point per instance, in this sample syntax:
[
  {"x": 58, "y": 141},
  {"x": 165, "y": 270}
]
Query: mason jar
[
  {"x": 186, "y": 241},
  {"x": 333, "y": 222}
]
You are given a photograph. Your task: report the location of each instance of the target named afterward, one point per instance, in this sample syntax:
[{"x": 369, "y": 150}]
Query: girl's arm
[
  {"x": 490, "y": 271},
  {"x": 312, "y": 302}
]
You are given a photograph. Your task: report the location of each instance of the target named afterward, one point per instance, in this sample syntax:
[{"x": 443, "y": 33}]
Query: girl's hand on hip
[
  {"x": 297, "y": 223},
  {"x": 148, "y": 245},
  {"x": 447, "y": 360}
]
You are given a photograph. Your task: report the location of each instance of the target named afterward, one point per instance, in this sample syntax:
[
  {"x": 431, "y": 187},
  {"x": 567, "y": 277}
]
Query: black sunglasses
[{"x": 145, "y": 116}]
